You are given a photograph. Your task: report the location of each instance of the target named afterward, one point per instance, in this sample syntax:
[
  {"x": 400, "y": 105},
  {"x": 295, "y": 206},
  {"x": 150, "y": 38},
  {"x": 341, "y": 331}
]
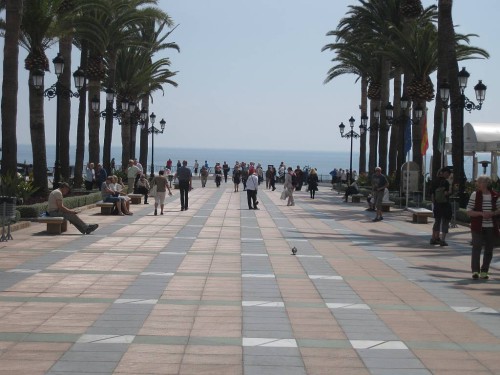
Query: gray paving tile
[{"x": 274, "y": 370}]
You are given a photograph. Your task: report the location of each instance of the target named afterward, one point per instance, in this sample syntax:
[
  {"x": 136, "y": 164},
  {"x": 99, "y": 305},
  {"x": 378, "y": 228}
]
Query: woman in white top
[
  {"x": 161, "y": 184},
  {"x": 289, "y": 186}
]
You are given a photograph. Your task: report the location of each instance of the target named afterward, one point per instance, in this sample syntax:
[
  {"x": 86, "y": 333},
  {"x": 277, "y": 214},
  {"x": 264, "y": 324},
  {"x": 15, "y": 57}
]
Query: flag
[
  {"x": 425, "y": 140},
  {"x": 408, "y": 136},
  {"x": 442, "y": 132}
]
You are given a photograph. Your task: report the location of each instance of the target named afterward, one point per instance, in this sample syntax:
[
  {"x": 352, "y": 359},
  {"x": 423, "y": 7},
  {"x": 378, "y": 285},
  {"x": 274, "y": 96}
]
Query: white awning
[{"x": 481, "y": 137}]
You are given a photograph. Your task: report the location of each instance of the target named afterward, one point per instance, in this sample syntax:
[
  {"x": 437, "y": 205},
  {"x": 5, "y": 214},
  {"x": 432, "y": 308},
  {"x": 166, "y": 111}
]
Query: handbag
[
  {"x": 153, "y": 191},
  {"x": 284, "y": 194}
]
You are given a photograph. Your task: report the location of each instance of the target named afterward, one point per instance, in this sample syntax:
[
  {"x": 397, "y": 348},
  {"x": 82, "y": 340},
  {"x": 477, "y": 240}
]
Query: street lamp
[
  {"x": 58, "y": 90},
  {"x": 152, "y": 130},
  {"x": 351, "y": 134},
  {"x": 465, "y": 104}
]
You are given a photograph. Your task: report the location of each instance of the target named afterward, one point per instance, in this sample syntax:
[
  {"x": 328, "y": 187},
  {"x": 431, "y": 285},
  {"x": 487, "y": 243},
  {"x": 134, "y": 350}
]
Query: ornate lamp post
[
  {"x": 58, "y": 90},
  {"x": 152, "y": 130},
  {"x": 465, "y": 104},
  {"x": 351, "y": 134}
]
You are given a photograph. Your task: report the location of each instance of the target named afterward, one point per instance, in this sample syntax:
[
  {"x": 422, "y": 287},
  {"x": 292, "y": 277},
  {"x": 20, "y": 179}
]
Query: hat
[
  {"x": 64, "y": 185},
  {"x": 446, "y": 169}
]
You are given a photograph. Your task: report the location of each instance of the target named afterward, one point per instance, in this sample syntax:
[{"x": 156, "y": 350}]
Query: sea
[{"x": 323, "y": 161}]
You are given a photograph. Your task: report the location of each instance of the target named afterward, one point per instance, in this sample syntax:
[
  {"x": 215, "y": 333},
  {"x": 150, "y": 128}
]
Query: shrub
[{"x": 16, "y": 186}]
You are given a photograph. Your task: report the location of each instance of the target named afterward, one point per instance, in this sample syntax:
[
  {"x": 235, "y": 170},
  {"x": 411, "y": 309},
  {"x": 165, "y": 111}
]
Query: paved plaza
[{"x": 215, "y": 290}]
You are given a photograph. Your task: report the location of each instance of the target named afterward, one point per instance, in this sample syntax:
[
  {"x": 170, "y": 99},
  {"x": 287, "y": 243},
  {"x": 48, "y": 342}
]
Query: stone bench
[
  {"x": 356, "y": 198},
  {"x": 386, "y": 206},
  {"x": 55, "y": 225},
  {"x": 106, "y": 207},
  {"x": 135, "y": 198},
  {"x": 420, "y": 215}
]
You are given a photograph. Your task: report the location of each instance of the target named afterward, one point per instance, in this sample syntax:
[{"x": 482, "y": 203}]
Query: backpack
[{"x": 440, "y": 196}]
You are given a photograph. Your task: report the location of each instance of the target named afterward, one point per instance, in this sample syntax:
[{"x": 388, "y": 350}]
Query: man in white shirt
[
  {"x": 56, "y": 208},
  {"x": 132, "y": 172},
  {"x": 252, "y": 187}
]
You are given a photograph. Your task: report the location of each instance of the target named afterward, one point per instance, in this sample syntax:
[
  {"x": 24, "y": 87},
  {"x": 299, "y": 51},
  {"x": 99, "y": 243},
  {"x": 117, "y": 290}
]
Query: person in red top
[{"x": 482, "y": 209}]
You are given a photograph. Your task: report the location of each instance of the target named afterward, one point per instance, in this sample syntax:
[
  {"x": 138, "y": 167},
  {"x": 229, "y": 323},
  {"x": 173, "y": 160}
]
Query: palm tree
[
  {"x": 137, "y": 78},
  {"x": 37, "y": 33},
  {"x": 10, "y": 83},
  {"x": 155, "y": 41},
  {"x": 120, "y": 22}
]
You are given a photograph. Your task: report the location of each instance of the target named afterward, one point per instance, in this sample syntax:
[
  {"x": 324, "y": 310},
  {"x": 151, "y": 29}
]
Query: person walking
[
  {"x": 218, "y": 175},
  {"x": 56, "y": 208},
  {"x": 244, "y": 175},
  {"x": 100, "y": 175},
  {"x": 252, "y": 188},
  {"x": 272, "y": 180},
  {"x": 379, "y": 183},
  {"x": 132, "y": 172},
  {"x": 236, "y": 178},
  {"x": 203, "y": 176},
  {"x": 289, "y": 184},
  {"x": 89, "y": 176},
  {"x": 440, "y": 193},
  {"x": 300, "y": 178},
  {"x": 196, "y": 166},
  {"x": 185, "y": 178},
  {"x": 225, "y": 170},
  {"x": 482, "y": 210},
  {"x": 161, "y": 184},
  {"x": 312, "y": 183}
]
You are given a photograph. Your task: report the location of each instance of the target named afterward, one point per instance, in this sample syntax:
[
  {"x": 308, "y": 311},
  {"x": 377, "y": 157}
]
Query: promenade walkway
[{"x": 215, "y": 290}]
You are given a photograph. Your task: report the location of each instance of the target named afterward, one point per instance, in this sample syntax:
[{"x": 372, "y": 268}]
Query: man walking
[
  {"x": 132, "y": 172},
  {"x": 379, "y": 183},
  {"x": 252, "y": 187},
  {"x": 185, "y": 177},
  {"x": 442, "y": 207}
]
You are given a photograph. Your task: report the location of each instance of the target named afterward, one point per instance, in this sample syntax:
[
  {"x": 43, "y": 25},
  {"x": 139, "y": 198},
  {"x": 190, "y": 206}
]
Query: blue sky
[{"x": 251, "y": 73}]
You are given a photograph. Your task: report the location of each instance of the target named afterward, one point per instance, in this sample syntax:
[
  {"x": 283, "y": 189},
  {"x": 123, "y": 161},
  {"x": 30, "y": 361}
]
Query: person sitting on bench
[
  {"x": 56, "y": 208},
  {"x": 142, "y": 187},
  {"x": 110, "y": 195},
  {"x": 353, "y": 189}
]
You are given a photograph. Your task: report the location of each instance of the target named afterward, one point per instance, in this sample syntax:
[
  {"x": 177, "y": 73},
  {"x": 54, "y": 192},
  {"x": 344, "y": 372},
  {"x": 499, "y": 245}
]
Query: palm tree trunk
[
  {"x": 65, "y": 47},
  {"x": 37, "y": 131},
  {"x": 80, "y": 130},
  {"x": 384, "y": 128},
  {"x": 448, "y": 66},
  {"x": 108, "y": 128},
  {"x": 10, "y": 86},
  {"x": 362, "y": 139},
  {"x": 372, "y": 159},
  {"x": 143, "y": 151},
  {"x": 125, "y": 139},
  {"x": 417, "y": 137},
  {"x": 397, "y": 126}
]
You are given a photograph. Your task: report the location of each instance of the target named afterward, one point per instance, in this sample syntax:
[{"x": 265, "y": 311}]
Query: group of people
[
  {"x": 484, "y": 213},
  {"x": 94, "y": 176},
  {"x": 482, "y": 207}
]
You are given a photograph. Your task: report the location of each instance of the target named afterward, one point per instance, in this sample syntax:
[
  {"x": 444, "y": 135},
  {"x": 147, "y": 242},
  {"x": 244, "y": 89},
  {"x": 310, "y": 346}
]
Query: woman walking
[
  {"x": 236, "y": 178},
  {"x": 312, "y": 182},
  {"x": 482, "y": 209},
  {"x": 290, "y": 186},
  {"x": 161, "y": 184}
]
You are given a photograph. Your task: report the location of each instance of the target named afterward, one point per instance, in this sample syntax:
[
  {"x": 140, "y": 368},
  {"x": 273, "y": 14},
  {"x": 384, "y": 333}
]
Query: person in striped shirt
[{"x": 483, "y": 211}]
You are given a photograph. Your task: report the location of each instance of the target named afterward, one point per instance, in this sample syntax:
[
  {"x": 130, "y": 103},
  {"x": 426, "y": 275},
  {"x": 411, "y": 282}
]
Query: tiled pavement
[{"x": 215, "y": 290}]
